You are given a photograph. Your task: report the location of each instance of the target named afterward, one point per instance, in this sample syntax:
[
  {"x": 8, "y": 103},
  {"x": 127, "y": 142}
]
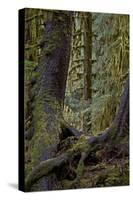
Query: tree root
[
  {"x": 44, "y": 168},
  {"x": 83, "y": 147}
]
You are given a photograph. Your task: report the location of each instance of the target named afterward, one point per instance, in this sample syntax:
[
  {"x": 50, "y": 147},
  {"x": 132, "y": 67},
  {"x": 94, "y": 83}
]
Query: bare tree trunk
[
  {"x": 87, "y": 55},
  {"x": 87, "y": 94}
]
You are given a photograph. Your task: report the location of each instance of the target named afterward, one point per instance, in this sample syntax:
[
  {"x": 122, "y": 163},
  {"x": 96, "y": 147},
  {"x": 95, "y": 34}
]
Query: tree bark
[
  {"x": 87, "y": 29},
  {"x": 49, "y": 92},
  {"x": 87, "y": 93}
]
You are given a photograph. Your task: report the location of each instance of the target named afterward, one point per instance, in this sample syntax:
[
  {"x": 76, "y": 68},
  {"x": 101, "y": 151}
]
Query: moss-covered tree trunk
[{"x": 48, "y": 93}]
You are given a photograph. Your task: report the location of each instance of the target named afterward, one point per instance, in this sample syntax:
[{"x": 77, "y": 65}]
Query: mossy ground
[
  {"x": 106, "y": 167},
  {"x": 101, "y": 175}
]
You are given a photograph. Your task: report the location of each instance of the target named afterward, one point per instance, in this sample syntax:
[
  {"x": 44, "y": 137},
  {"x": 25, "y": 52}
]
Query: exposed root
[
  {"x": 44, "y": 168},
  {"x": 83, "y": 146}
]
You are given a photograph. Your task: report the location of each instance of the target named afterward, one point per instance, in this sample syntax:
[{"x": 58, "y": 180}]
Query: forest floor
[
  {"x": 106, "y": 167},
  {"x": 103, "y": 174}
]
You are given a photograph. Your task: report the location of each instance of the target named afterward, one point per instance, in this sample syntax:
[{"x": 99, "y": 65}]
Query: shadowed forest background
[{"x": 76, "y": 100}]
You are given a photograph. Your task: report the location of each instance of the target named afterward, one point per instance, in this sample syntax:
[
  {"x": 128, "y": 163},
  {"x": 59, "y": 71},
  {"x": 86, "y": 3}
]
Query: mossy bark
[{"x": 49, "y": 92}]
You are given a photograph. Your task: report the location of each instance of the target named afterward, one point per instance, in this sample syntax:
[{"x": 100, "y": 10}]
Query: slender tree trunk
[
  {"x": 87, "y": 30},
  {"x": 87, "y": 55},
  {"x": 122, "y": 118},
  {"x": 120, "y": 125}
]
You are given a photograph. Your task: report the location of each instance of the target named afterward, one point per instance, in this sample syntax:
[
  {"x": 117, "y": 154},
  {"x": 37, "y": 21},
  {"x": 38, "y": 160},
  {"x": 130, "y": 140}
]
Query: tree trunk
[
  {"x": 87, "y": 94},
  {"x": 48, "y": 96},
  {"x": 87, "y": 29}
]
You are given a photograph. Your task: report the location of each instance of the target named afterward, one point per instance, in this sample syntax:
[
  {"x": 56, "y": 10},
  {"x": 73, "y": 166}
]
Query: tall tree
[
  {"x": 87, "y": 95},
  {"x": 79, "y": 78},
  {"x": 48, "y": 93},
  {"x": 87, "y": 30}
]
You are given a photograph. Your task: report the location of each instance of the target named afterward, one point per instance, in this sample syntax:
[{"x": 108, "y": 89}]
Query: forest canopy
[{"x": 76, "y": 99}]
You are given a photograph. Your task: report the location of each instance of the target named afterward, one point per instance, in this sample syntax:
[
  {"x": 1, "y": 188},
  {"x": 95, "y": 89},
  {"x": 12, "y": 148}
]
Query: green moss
[
  {"x": 106, "y": 175},
  {"x": 80, "y": 170},
  {"x": 46, "y": 129},
  {"x": 48, "y": 50},
  {"x": 81, "y": 145},
  {"x": 66, "y": 184},
  {"x": 115, "y": 177}
]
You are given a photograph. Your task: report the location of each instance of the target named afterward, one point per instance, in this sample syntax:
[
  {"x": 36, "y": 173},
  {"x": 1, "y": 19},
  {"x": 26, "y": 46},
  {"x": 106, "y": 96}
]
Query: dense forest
[{"x": 76, "y": 100}]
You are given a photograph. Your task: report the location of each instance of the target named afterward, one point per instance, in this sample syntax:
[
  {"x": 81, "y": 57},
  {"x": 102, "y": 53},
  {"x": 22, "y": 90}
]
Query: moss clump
[
  {"x": 67, "y": 184},
  {"x": 104, "y": 175},
  {"x": 81, "y": 145}
]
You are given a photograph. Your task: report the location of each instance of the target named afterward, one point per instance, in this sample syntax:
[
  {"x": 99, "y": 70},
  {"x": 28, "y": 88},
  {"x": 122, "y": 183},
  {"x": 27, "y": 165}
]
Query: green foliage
[
  {"x": 110, "y": 65},
  {"x": 110, "y": 69}
]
